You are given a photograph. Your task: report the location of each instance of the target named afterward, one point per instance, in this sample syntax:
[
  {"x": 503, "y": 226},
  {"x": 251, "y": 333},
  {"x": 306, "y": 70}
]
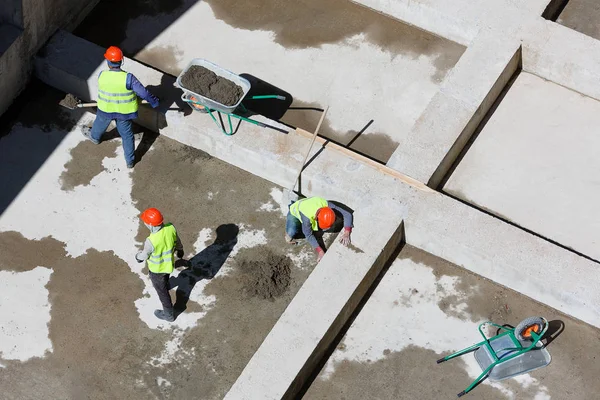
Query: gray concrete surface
[
  {"x": 464, "y": 20},
  {"x": 425, "y": 308},
  {"x": 396, "y": 68},
  {"x": 438, "y": 224},
  {"x": 68, "y": 236},
  {"x": 533, "y": 164},
  {"x": 453, "y": 115},
  {"x": 583, "y": 16},
  {"x": 562, "y": 55}
]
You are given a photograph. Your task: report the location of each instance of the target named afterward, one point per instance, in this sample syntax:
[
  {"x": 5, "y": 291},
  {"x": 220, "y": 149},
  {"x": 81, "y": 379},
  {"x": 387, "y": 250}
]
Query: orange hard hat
[
  {"x": 152, "y": 217},
  {"x": 114, "y": 54},
  {"x": 326, "y": 217}
]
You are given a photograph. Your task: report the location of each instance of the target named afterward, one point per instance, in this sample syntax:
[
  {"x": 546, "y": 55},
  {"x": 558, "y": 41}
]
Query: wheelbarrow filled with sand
[{"x": 211, "y": 89}]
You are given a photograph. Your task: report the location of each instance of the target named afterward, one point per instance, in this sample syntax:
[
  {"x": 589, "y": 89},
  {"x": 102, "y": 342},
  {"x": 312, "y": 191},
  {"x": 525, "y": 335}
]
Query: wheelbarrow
[
  {"x": 206, "y": 105},
  {"x": 513, "y": 352}
]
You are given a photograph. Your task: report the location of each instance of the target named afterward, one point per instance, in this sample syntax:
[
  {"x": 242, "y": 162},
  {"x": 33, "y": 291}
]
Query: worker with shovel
[
  {"x": 118, "y": 93},
  {"x": 312, "y": 214},
  {"x": 158, "y": 252}
]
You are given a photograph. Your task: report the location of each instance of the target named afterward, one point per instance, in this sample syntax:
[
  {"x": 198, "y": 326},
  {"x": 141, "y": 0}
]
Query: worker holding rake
[{"x": 312, "y": 214}]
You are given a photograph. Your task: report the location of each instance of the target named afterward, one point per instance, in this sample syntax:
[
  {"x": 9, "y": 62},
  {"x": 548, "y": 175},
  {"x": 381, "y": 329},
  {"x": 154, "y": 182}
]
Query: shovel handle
[{"x": 85, "y": 105}]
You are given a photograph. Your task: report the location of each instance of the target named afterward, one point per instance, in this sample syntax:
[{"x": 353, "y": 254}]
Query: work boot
[
  {"x": 87, "y": 132},
  {"x": 166, "y": 314},
  {"x": 130, "y": 165}
]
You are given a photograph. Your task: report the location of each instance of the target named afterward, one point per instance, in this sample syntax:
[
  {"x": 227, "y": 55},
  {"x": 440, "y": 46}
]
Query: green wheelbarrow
[
  {"x": 513, "y": 352},
  {"x": 206, "y": 105}
]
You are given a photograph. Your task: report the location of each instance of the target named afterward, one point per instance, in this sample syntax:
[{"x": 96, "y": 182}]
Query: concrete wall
[{"x": 37, "y": 20}]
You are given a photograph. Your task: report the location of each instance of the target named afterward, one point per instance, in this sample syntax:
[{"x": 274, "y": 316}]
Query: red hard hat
[
  {"x": 114, "y": 54},
  {"x": 325, "y": 217},
  {"x": 152, "y": 217}
]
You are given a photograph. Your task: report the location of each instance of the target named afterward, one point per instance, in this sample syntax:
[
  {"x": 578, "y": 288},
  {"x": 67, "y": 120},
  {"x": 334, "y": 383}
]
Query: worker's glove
[
  {"x": 179, "y": 254},
  {"x": 345, "y": 237},
  {"x": 320, "y": 254},
  {"x": 137, "y": 259}
]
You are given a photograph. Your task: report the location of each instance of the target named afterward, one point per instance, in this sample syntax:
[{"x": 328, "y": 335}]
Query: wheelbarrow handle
[{"x": 268, "y": 96}]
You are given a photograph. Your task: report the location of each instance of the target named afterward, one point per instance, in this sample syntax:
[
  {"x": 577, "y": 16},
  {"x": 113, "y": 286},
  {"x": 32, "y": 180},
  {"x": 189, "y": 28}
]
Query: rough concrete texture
[
  {"x": 464, "y": 20},
  {"x": 425, "y": 308},
  {"x": 77, "y": 310},
  {"x": 532, "y": 164},
  {"x": 456, "y": 110},
  {"x": 583, "y": 16},
  {"x": 562, "y": 55},
  {"x": 396, "y": 69}
]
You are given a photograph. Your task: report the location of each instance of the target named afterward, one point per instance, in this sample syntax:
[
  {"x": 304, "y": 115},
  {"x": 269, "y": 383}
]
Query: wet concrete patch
[
  {"x": 408, "y": 374},
  {"x": 376, "y": 145},
  {"x": 311, "y": 23},
  {"x": 164, "y": 57},
  {"x": 197, "y": 192},
  {"x": 582, "y": 16},
  {"x": 75, "y": 173},
  {"x": 99, "y": 343}
]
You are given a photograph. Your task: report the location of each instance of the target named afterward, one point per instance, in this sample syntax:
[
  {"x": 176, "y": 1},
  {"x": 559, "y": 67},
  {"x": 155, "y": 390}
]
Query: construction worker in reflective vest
[
  {"x": 118, "y": 93},
  {"x": 159, "y": 249},
  {"x": 312, "y": 214}
]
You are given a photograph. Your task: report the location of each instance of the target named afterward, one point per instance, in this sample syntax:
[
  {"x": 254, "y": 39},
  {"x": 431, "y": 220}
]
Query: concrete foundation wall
[
  {"x": 563, "y": 56},
  {"x": 454, "y": 114},
  {"x": 38, "y": 21}
]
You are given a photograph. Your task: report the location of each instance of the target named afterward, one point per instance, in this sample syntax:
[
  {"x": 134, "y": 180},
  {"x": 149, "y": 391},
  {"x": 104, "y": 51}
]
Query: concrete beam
[
  {"x": 563, "y": 56},
  {"x": 470, "y": 90}
]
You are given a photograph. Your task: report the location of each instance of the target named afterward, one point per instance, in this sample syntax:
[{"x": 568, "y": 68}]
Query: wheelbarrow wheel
[{"x": 528, "y": 325}]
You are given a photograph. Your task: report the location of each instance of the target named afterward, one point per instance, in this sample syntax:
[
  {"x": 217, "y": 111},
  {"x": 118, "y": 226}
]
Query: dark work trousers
[{"x": 161, "y": 284}]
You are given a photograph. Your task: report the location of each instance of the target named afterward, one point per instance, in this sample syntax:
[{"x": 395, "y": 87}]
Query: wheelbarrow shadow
[
  {"x": 204, "y": 265},
  {"x": 272, "y": 109}
]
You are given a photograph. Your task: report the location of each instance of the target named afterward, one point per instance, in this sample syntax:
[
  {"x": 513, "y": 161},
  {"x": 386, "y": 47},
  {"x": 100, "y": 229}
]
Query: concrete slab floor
[
  {"x": 583, "y": 16},
  {"x": 76, "y": 310},
  {"x": 534, "y": 164},
  {"x": 425, "y": 308},
  {"x": 364, "y": 65}
]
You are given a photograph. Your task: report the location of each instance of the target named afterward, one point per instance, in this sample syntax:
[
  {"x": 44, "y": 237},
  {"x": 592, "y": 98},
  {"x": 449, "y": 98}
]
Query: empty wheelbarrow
[
  {"x": 207, "y": 105},
  {"x": 510, "y": 353}
]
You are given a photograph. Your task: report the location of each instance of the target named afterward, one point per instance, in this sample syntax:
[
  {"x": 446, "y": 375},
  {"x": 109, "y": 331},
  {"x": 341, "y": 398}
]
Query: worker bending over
[
  {"x": 118, "y": 93},
  {"x": 308, "y": 215},
  {"x": 158, "y": 252}
]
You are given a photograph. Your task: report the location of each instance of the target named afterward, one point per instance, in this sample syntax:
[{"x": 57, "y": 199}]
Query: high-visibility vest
[
  {"x": 161, "y": 259},
  {"x": 113, "y": 95},
  {"x": 309, "y": 208}
]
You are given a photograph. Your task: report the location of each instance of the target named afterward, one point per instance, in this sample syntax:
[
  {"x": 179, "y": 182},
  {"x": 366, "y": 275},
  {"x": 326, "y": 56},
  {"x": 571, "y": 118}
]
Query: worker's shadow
[
  {"x": 204, "y": 265},
  {"x": 170, "y": 100}
]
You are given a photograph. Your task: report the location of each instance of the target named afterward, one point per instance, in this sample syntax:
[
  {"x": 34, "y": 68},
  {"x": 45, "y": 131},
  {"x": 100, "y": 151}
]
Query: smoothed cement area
[
  {"x": 534, "y": 164},
  {"x": 583, "y": 16},
  {"x": 364, "y": 65},
  {"x": 423, "y": 309},
  {"x": 77, "y": 311}
]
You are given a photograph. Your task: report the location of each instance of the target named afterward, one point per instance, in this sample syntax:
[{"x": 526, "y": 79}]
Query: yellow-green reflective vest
[
  {"x": 161, "y": 259},
  {"x": 113, "y": 96},
  {"x": 309, "y": 208}
]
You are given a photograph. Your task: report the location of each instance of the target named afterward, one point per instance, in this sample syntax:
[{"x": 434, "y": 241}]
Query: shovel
[
  {"x": 288, "y": 194},
  {"x": 72, "y": 102}
]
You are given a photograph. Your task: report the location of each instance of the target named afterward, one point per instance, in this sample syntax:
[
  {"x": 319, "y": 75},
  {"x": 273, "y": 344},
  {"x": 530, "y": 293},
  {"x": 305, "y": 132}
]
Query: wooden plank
[{"x": 374, "y": 164}]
